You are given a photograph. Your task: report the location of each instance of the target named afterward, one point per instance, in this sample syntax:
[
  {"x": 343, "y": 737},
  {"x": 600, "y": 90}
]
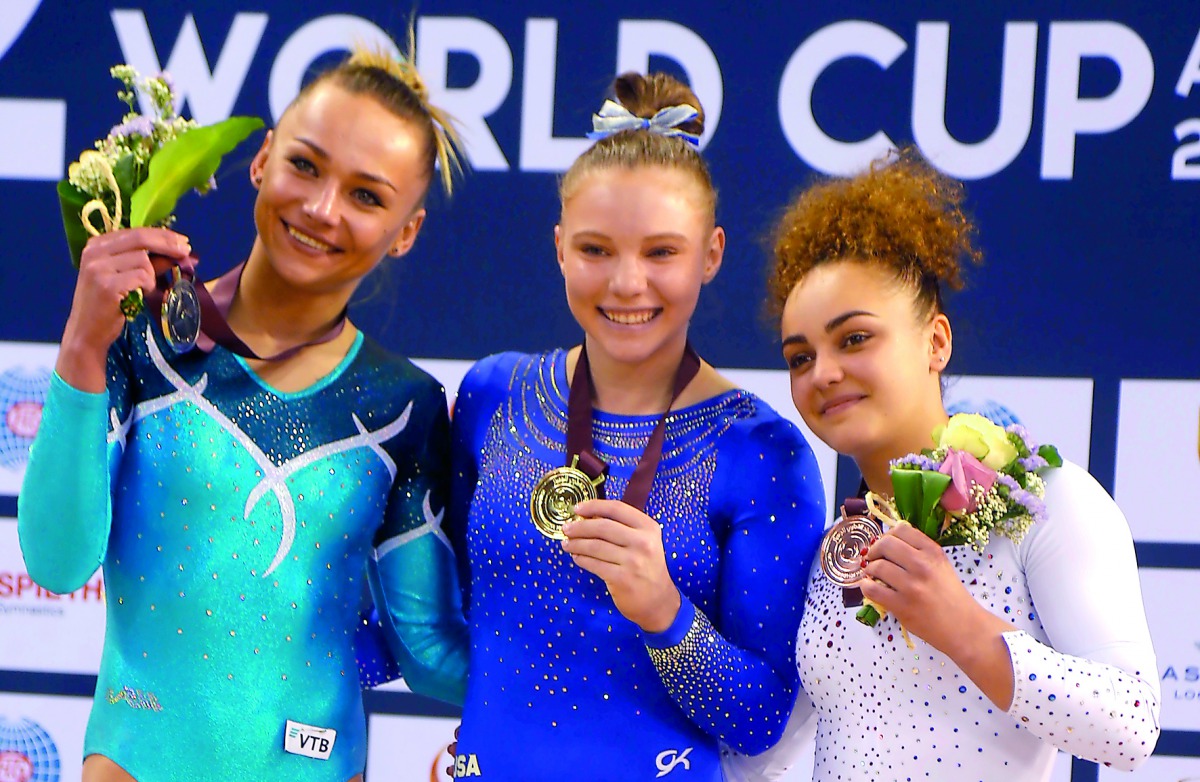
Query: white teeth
[
  {"x": 309, "y": 241},
  {"x": 631, "y": 318}
]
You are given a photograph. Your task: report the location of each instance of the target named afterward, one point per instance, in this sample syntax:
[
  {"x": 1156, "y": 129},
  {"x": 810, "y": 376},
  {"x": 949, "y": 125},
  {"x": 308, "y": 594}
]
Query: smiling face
[
  {"x": 635, "y": 247},
  {"x": 865, "y": 368},
  {"x": 342, "y": 180}
]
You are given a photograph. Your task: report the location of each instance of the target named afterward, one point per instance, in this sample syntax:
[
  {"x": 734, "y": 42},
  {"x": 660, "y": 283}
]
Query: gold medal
[
  {"x": 556, "y": 495},
  {"x": 841, "y": 549}
]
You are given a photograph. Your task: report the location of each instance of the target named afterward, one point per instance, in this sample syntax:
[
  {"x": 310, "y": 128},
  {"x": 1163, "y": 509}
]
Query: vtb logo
[
  {"x": 668, "y": 759},
  {"x": 309, "y": 740}
]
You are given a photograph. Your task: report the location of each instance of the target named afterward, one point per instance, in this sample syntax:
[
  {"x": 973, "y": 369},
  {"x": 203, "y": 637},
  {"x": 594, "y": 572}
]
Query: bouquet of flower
[
  {"x": 980, "y": 480},
  {"x": 137, "y": 173}
]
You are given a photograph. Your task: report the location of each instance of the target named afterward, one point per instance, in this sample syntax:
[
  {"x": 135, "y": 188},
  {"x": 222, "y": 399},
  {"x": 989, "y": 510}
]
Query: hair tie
[{"x": 615, "y": 118}]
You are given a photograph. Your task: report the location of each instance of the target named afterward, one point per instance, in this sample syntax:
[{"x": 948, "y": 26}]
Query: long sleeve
[
  {"x": 64, "y": 511},
  {"x": 735, "y": 676},
  {"x": 412, "y": 571},
  {"x": 1093, "y": 692}
]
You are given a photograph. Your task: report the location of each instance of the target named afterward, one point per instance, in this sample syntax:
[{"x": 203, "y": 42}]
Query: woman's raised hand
[
  {"x": 624, "y": 547},
  {"x": 112, "y": 265}
]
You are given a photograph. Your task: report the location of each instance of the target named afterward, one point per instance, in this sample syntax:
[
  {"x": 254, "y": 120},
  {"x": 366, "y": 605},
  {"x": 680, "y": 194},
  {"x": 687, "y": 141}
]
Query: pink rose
[{"x": 964, "y": 470}]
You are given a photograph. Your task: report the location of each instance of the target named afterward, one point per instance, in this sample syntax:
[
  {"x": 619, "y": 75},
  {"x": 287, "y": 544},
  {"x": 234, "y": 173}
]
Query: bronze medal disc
[
  {"x": 555, "y": 497},
  {"x": 841, "y": 549},
  {"x": 181, "y": 314}
]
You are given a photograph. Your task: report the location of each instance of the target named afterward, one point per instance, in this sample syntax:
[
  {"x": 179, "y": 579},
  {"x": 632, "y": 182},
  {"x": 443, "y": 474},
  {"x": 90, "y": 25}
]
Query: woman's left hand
[
  {"x": 911, "y": 578},
  {"x": 623, "y": 546}
]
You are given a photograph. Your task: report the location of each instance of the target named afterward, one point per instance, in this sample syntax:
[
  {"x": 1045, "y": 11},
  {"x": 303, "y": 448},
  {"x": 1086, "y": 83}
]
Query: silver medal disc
[{"x": 181, "y": 314}]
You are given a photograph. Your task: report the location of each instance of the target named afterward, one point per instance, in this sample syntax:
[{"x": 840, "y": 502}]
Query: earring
[{"x": 258, "y": 179}]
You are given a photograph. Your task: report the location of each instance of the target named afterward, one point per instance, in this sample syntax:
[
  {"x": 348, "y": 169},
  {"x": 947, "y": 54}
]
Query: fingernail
[
  {"x": 864, "y": 562},
  {"x": 863, "y": 551}
]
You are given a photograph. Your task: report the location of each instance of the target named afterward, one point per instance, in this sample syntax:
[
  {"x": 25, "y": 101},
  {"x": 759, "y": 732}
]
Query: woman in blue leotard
[
  {"x": 654, "y": 632},
  {"x": 235, "y": 503}
]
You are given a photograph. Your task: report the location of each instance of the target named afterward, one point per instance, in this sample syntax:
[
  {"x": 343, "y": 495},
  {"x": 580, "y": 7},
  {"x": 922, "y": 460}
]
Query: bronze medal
[
  {"x": 841, "y": 548},
  {"x": 181, "y": 313},
  {"x": 555, "y": 496}
]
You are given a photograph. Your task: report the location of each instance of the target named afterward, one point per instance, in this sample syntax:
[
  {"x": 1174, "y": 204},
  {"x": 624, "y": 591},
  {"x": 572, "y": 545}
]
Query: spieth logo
[
  {"x": 27, "y": 753},
  {"x": 22, "y": 395}
]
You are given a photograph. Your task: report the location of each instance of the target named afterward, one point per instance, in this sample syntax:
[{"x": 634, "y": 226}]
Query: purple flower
[
  {"x": 1033, "y": 463},
  {"x": 964, "y": 471},
  {"x": 138, "y": 126},
  {"x": 1008, "y": 481},
  {"x": 1023, "y": 433},
  {"x": 920, "y": 461}
]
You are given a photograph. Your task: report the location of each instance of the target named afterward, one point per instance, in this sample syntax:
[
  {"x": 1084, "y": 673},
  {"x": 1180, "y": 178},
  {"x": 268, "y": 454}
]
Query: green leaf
[
  {"x": 71, "y": 200},
  {"x": 185, "y": 163},
  {"x": 867, "y": 615},
  {"x": 1050, "y": 454},
  {"x": 128, "y": 176},
  {"x": 933, "y": 486},
  {"x": 908, "y": 489},
  {"x": 917, "y": 496}
]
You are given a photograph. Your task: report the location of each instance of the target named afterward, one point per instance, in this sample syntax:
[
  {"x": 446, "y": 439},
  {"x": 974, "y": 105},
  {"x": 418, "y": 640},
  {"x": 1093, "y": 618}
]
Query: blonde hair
[
  {"x": 643, "y": 96},
  {"x": 901, "y": 215},
  {"x": 399, "y": 88}
]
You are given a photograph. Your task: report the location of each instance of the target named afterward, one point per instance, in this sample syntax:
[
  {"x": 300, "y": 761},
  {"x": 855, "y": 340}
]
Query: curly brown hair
[
  {"x": 900, "y": 214},
  {"x": 643, "y": 96}
]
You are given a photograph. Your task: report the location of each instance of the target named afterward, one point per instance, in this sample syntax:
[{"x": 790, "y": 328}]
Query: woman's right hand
[{"x": 112, "y": 265}]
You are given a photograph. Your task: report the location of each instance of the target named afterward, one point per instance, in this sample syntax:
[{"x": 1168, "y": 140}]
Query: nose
[
  {"x": 826, "y": 370},
  {"x": 628, "y": 277},
  {"x": 322, "y": 204}
]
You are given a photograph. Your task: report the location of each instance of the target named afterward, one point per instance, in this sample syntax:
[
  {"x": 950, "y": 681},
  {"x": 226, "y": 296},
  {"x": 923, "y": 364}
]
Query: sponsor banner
[
  {"x": 1176, "y": 644},
  {"x": 410, "y": 749},
  {"x": 1054, "y": 410},
  {"x": 41, "y": 737},
  {"x": 43, "y": 631},
  {"x": 1157, "y": 769},
  {"x": 1158, "y": 454},
  {"x": 25, "y": 369}
]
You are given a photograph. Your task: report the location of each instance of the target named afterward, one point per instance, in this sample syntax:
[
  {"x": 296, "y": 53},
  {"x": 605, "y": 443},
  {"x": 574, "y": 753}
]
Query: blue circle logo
[
  {"x": 22, "y": 395},
  {"x": 27, "y": 753}
]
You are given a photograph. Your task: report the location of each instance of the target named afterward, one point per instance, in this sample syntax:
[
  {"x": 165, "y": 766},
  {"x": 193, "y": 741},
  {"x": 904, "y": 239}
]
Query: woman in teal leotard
[{"x": 235, "y": 503}]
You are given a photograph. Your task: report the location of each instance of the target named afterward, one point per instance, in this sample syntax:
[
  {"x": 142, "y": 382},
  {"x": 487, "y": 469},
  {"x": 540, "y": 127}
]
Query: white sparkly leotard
[{"x": 1084, "y": 670}]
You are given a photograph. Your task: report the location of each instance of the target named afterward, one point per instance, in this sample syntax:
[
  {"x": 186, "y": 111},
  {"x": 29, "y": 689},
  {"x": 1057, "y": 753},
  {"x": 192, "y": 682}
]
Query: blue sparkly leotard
[
  {"x": 561, "y": 685},
  {"x": 235, "y": 525}
]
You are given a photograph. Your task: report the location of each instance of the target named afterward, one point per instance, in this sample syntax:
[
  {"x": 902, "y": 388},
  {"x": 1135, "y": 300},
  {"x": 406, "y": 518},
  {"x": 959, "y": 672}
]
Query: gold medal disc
[{"x": 555, "y": 496}]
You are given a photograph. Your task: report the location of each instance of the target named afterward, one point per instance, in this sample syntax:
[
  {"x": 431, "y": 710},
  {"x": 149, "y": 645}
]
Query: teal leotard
[{"x": 235, "y": 525}]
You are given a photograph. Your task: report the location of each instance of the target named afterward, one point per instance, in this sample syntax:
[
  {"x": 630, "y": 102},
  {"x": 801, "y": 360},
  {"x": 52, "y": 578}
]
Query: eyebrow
[
  {"x": 588, "y": 234},
  {"x": 830, "y": 326},
  {"x": 321, "y": 153}
]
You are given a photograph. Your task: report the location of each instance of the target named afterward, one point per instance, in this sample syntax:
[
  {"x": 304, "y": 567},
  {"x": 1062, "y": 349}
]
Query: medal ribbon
[
  {"x": 579, "y": 428},
  {"x": 853, "y": 506},
  {"x": 214, "y": 306}
]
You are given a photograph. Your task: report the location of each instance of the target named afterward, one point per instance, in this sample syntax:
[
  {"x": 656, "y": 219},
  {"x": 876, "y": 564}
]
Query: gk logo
[{"x": 668, "y": 759}]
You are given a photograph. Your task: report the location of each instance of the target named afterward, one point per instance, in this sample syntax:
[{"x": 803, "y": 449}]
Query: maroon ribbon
[
  {"x": 214, "y": 306},
  {"x": 579, "y": 429},
  {"x": 852, "y": 597}
]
